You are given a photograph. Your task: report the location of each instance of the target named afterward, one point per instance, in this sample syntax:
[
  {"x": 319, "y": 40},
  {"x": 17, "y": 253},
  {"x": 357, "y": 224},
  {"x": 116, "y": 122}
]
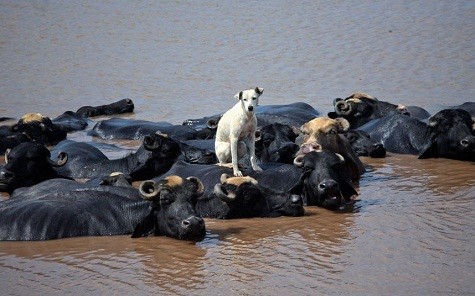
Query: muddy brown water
[{"x": 412, "y": 230}]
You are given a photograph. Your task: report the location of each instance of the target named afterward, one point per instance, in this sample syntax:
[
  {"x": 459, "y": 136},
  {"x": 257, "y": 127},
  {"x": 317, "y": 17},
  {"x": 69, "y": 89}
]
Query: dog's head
[{"x": 249, "y": 98}]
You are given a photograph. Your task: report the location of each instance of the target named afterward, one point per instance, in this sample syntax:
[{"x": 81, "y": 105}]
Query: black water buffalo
[
  {"x": 294, "y": 114},
  {"x": 114, "y": 179},
  {"x": 121, "y": 128},
  {"x": 448, "y": 134},
  {"x": 467, "y": 106},
  {"x": 327, "y": 133},
  {"x": 360, "y": 108},
  {"x": 28, "y": 164},
  {"x": 154, "y": 157},
  {"x": 10, "y": 139},
  {"x": 71, "y": 121},
  {"x": 119, "y": 107},
  {"x": 237, "y": 197},
  {"x": 276, "y": 143},
  {"x": 317, "y": 175},
  {"x": 58, "y": 208},
  {"x": 363, "y": 145},
  {"x": 40, "y": 129}
]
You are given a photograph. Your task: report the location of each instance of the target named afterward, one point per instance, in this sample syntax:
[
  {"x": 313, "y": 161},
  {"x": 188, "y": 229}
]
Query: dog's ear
[
  {"x": 238, "y": 96},
  {"x": 259, "y": 90}
]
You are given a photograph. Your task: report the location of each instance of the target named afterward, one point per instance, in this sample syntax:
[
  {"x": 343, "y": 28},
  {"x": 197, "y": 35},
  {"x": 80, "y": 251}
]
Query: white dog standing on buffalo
[{"x": 237, "y": 131}]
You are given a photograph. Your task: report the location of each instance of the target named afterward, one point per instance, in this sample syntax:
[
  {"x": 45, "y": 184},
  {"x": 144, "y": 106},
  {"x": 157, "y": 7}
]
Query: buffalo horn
[
  {"x": 149, "y": 190},
  {"x": 6, "y": 155},
  {"x": 298, "y": 161},
  {"x": 223, "y": 196},
  {"x": 200, "y": 188},
  {"x": 212, "y": 123},
  {"x": 343, "y": 108},
  {"x": 62, "y": 159}
]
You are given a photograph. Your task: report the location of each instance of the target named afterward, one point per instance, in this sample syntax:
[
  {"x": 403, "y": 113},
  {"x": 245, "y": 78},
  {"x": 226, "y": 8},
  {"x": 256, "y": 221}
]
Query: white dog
[{"x": 237, "y": 131}]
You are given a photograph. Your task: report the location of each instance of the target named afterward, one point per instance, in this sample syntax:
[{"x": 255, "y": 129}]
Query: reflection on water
[{"x": 412, "y": 229}]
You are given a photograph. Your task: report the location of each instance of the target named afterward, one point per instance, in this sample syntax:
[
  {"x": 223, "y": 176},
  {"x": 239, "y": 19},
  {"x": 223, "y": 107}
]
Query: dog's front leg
[
  {"x": 252, "y": 152},
  {"x": 234, "y": 156}
]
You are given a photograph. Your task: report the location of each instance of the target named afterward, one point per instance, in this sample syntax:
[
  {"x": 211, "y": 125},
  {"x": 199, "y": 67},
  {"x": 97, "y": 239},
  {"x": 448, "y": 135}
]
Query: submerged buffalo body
[
  {"x": 237, "y": 197},
  {"x": 360, "y": 108},
  {"x": 154, "y": 157},
  {"x": 317, "y": 176},
  {"x": 119, "y": 107},
  {"x": 43, "y": 212},
  {"x": 121, "y": 128},
  {"x": 448, "y": 134}
]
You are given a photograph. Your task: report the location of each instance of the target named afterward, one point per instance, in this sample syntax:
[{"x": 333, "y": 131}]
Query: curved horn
[
  {"x": 212, "y": 123},
  {"x": 223, "y": 196},
  {"x": 298, "y": 161},
  {"x": 343, "y": 108},
  {"x": 200, "y": 188},
  {"x": 6, "y": 155},
  {"x": 149, "y": 190},
  {"x": 342, "y": 159},
  {"x": 62, "y": 160}
]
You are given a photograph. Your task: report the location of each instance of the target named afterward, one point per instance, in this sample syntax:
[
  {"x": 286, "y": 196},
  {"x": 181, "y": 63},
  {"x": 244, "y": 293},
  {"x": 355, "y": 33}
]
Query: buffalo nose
[
  {"x": 378, "y": 151},
  {"x": 192, "y": 222},
  {"x": 327, "y": 185},
  {"x": 468, "y": 142},
  {"x": 4, "y": 175},
  {"x": 250, "y": 108},
  {"x": 296, "y": 200}
]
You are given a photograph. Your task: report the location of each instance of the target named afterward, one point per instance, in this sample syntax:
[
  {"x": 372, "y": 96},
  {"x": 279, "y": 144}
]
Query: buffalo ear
[
  {"x": 332, "y": 115},
  {"x": 344, "y": 124},
  {"x": 15, "y": 128},
  {"x": 150, "y": 143},
  {"x": 146, "y": 226},
  {"x": 430, "y": 151}
]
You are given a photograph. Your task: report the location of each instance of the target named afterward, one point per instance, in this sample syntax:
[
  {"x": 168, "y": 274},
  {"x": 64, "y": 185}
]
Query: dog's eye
[{"x": 254, "y": 98}]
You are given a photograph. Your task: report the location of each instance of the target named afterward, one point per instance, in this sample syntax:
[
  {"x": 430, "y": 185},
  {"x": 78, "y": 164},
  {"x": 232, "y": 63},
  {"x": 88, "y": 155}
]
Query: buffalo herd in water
[{"x": 307, "y": 160}]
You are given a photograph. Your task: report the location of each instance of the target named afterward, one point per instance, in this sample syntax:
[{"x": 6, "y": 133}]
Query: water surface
[{"x": 412, "y": 231}]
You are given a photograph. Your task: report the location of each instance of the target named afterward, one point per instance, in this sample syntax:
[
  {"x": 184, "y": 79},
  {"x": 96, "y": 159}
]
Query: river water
[{"x": 413, "y": 228}]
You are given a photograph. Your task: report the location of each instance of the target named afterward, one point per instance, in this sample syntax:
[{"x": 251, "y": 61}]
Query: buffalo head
[
  {"x": 27, "y": 164},
  {"x": 322, "y": 182},
  {"x": 276, "y": 143},
  {"x": 172, "y": 212},
  {"x": 246, "y": 198},
  {"x": 451, "y": 135},
  {"x": 327, "y": 133}
]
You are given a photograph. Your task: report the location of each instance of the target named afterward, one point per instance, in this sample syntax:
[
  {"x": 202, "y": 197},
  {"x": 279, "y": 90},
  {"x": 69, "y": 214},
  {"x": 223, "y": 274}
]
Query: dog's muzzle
[{"x": 250, "y": 108}]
